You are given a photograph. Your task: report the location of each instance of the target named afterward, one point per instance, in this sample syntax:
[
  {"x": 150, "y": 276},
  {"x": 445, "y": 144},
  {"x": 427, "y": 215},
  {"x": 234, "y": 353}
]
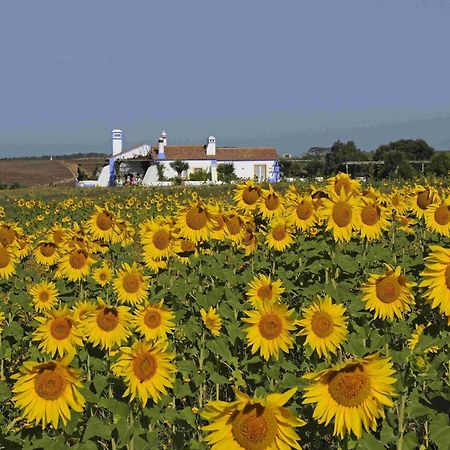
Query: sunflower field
[{"x": 259, "y": 317}]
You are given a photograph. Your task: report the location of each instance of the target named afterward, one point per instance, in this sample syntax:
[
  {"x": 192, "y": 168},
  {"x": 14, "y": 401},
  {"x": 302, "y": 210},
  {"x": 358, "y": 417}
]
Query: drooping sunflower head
[
  {"x": 44, "y": 295},
  {"x": 252, "y": 423},
  {"x": 422, "y": 198},
  {"x": 211, "y": 320},
  {"x": 262, "y": 290},
  {"x": 8, "y": 261},
  {"x": 388, "y": 295},
  {"x": 324, "y": 325},
  {"x": 271, "y": 204},
  {"x": 131, "y": 285},
  {"x": 353, "y": 393},
  {"x": 154, "y": 321},
  {"x": 247, "y": 196}
]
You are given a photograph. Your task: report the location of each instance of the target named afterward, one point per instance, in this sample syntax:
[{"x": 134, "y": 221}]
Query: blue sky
[{"x": 290, "y": 73}]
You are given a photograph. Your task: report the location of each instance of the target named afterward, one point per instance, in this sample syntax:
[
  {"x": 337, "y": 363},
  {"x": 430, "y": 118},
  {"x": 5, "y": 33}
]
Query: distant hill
[{"x": 64, "y": 157}]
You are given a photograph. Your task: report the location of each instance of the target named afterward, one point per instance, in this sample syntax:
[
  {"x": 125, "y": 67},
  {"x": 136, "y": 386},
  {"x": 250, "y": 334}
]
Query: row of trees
[{"x": 401, "y": 159}]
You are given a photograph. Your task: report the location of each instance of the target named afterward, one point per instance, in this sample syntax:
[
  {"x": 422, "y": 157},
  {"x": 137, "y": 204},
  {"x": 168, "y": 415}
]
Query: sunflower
[
  {"x": 9, "y": 232},
  {"x": 341, "y": 213},
  {"x": 271, "y": 204},
  {"x": 415, "y": 337},
  {"x": 422, "y": 198},
  {"x": 101, "y": 224},
  {"x": 131, "y": 284},
  {"x": 154, "y": 321},
  {"x": 211, "y": 320},
  {"x": 437, "y": 217},
  {"x": 2, "y": 319},
  {"x": 57, "y": 235},
  {"x": 184, "y": 248},
  {"x": 75, "y": 264},
  {"x": 269, "y": 329},
  {"x": 103, "y": 274},
  {"x": 262, "y": 290},
  {"x": 47, "y": 391},
  {"x": 406, "y": 224},
  {"x": 82, "y": 309},
  {"x": 235, "y": 226},
  {"x": 123, "y": 232},
  {"x": 158, "y": 239},
  {"x": 8, "y": 261},
  {"x": 437, "y": 279},
  {"x": 46, "y": 253},
  {"x": 398, "y": 202},
  {"x": 247, "y": 196},
  {"x": 44, "y": 295},
  {"x": 154, "y": 264},
  {"x": 301, "y": 212},
  {"x": 372, "y": 219},
  {"x": 388, "y": 294},
  {"x": 353, "y": 392},
  {"x": 147, "y": 369},
  {"x": 279, "y": 235},
  {"x": 252, "y": 423},
  {"x": 107, "y": 326},
  {"x": 324, "y": 326},
  {"x": 195, "y": 222},
  {"x": 342, "y": 183},
  {"x": 58, "y": 332},
  {"x": 249, "y": 241},
  {"x": 219, "y": 230}
]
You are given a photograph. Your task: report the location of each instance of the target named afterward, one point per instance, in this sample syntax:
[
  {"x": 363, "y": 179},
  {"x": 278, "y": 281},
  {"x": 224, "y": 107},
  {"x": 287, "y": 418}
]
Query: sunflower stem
[{"x": 401, "y": 429}]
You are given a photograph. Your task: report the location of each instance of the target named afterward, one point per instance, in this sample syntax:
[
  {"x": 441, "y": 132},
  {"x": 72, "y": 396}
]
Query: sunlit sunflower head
[
  {"x": 58, "y": 333},
  {"x": 302, "y": 212},
  {"x": 437, "y": 217},
  {"x": 252, "y": 423},
  {"x": 422, "y": 198},
  {"x": 8, "y": 261},
  {"x": 46, "y": 253},
  {"x": 269, "y": 329},
  {"x": 211, "y": 320},
  {"x": 262, "y": 290},
  {"x": 235, "y": 225},
  {"x": 107, "y": 326},
  {"x": 219, "y": 229},
  {"x": 279, "y": 235},
  {"x": 57, "y": 234},
  {"x": 388, "y": 295},
  {"x": 342, "y": 182},
  {"x": 9, "y": 232},
  {"x": 354, "y": 393},
  {"x": 44, "y": 295},
  {"x": 154, "y": 321},
  {"x": 247, "y": 196},
  {"x": 147, "y": 369},
  {"x": 82, "y": 309},
  {"x": 271, "y": 204},
  {"x": 103, "y": 275},
  {"x": 398, "y": 202},
  {"x": 46, "y": 392},
  {"x": 75, "y": 264},
  {"x": 415, "y": 337},
  {"x": 131, "y": 285},
  {"x": 101, "y": 224},
  {"x": 154, "y": 264},
  {"x": 249, "y": 241},
  {"x": 436, "y": 278},
  {"x": 372, "y": 219},
  {"x": 324, "y": 325},
  {"x": 195, "y": 222},
  {"x": 341, "y": 214},
  {"x": 158, "y": 239}
]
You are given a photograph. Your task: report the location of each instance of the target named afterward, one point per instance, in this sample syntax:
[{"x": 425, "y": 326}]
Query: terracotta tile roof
[{"x": 194, "y": 152}]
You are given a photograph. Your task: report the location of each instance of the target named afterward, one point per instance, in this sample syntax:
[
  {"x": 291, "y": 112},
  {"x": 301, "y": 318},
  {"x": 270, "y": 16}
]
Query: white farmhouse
[{"x": 260, "y": 163}]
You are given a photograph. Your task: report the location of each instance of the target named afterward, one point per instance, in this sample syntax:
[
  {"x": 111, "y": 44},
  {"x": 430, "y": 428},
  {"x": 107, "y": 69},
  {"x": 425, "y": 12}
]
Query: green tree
[
  {"x": 396, "y": 165},
  {"x": 291, "y": 168},
  {"x": 341, "y": 152},
  {"x": 179, "y": 166},
  {"x": 226, "y": 173},
  {"x": 440, "y": 164},
  {"x": 418, "y": 149}
]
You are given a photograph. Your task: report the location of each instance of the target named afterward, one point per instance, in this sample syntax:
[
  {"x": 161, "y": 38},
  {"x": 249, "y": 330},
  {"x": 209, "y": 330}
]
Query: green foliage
[
  {"x": 413, "y": 149},
  {"x": 200, "y": 175},
  {"x": 179, "y": 166},
  {"x": 226, "y": 173},
  {"x": 440, "y": 164},
  {"x": 341, "y": 152}
]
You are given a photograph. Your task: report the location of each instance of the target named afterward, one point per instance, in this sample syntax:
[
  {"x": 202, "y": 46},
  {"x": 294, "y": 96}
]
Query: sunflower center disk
[
  {"x": 108, "y": 319},
  {"x": 424, "y": 199},
  {"x": 370, "y": 215},
  {"x": 161, "y": 239},
  {"x": 234, "y": 225},
  {"x": 196, "y": 218},
  {"x": 304, "y": 211},
  {"x": 219, "y": 222},
  {"x": 47, "y": 249},
  {"x": 342, "y": 184},
  {"x": 49, "y": 385},
  {"x": 104, "y": 221},
  {"x": 131, "y": 283},
  {"x": 250, "y": 196},
  {"x": 388, "y": 289},
  {"x": 255, "y": 427},
  {"x": 270, "y": 326},
  {"x": 60, "y": 328},
  {"x": 187, "y": 246},
  {"x": 279, "y": 232},
  {"x": 265, "y": 292},
  {"x": 4, "y": 258},
  {"x": 442, "y": 215},
  {"x": 350, "y": 387},
  {"x": 103, "y": 276},
  {"x": 144, "y": 366},
  {"x": 43, "y": 295},
  {"x": 152, "y": 318},
  {"x": 58, "y": 236},
  {"x": 342, "y": 214},
  {"x": 7, "y": 236},
  {"x": 447, "y": 276},
  {"x": 77, "y": 260},
  {"x": 322, "y": 324},
  {"x": 272, "y": 202}
]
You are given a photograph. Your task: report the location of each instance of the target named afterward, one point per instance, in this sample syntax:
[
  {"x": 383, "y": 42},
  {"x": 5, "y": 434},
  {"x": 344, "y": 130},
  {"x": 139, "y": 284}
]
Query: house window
[
  {"x": 198, "y": 169},
  {"x": 260, "y": 172}
]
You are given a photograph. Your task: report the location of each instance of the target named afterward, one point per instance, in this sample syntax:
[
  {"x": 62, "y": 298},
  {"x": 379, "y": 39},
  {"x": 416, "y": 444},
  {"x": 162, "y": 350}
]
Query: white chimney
[
  {"x": 116, "y": 141},
  {"x": 164, "y": 136},
  {"x": 211, "y": 147},
  {"x": 161, "y": 144}
]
